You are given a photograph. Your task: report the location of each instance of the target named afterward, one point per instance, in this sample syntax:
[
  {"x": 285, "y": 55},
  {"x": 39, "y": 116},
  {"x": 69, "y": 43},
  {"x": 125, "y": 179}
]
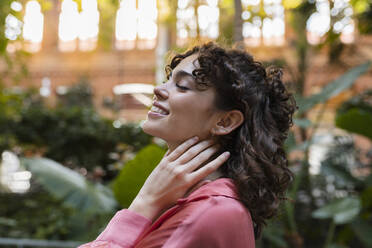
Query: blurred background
[{"x": 76, "y": 81}]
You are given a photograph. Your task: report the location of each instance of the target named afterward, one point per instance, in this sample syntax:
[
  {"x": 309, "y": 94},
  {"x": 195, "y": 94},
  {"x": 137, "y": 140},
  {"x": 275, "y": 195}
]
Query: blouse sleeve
[
  {"x": 122, "y": 231},
  {"x": 222, "y": 223}
]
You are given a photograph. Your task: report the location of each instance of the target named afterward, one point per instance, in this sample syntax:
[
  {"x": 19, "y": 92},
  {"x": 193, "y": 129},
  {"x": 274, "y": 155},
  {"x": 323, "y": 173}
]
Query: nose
[{"x": 160, "y": 92}]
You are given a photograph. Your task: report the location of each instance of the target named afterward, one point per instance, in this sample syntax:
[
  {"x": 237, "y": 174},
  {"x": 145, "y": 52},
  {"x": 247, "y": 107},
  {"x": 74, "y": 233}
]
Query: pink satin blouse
[{"x": 211, "y": 216}]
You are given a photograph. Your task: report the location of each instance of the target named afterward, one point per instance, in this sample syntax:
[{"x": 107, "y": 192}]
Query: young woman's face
[{"x": 180, "y": 110}]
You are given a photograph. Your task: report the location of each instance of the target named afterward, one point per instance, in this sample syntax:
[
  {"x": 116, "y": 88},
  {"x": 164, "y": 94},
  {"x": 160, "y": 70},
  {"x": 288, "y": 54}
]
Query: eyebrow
[{"x": 183, "y": 73}]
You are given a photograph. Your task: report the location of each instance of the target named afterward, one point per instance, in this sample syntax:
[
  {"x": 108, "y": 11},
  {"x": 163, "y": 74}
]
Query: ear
[{"x": 228, "y": 122}]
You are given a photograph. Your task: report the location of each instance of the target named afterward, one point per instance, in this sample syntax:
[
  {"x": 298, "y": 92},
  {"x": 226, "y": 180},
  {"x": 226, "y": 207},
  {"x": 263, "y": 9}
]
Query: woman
[{"x": 224, "y": 119}]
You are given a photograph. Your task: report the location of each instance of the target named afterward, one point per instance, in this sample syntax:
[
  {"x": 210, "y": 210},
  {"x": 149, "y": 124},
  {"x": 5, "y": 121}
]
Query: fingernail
[
  {"x": 195, "y": 138},
  {"x": 226, "y": 154}
]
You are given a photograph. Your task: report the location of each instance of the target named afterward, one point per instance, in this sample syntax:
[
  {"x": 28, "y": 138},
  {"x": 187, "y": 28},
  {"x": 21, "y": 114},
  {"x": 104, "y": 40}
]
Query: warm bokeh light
[
  {"x": 126, "y": 25},
  {"x": 207, "y": 20},
  {"x": 13, "y": 27},
  {"x": 68, "y": 26},
  {"x": 270, "y": 29},
  {"x": 186, "y": 21},
  {"x": 33, "y": 26},
  {"x": 16, "y": 6},
  {"x": 208, "y": 17},
  {"x": 147, "y": 24},
  {"x": 136, "y": 23},
  {"x": 133, "y": 23},
  {"x": 319, "y": 22},
  {"x": 89, "y": 25},
  {"x": 12, "y": 176},
  {"x": 83, "y": 26}
]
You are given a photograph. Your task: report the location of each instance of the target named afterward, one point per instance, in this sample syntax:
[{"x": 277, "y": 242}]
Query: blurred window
[
  {"x": 136, "y": 26},
  {"x": 78, "y": 29},
  {"x": 33, "y": 26},
  {"x": 89, "y": 25}
]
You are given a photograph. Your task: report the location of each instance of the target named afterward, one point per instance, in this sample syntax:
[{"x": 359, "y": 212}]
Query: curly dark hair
[{"x": 258, "y": 164}]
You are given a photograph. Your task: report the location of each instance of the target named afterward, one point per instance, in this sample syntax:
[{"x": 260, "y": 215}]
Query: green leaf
[
  {"x": 133, "y": 175},
  {"x": 366, "y": 197},
  {"x": 363, "y": 230},
  {"x": 356, "y": 120},
  {"x": 290, "y": 142},
  {"x": 274, "y": 233},
  {"x": 340, "y": 173},
  {"x": 342, "y": 211},
  {"x": 332, "y": 89},
  {"x": 73, "y": 188},
  {"x": 336, "y": 246}
]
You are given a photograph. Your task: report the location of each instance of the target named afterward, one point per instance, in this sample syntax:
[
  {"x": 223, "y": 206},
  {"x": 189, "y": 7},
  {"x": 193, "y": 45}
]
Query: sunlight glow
[
  {"x": 89, "y": 25},
  {"x": 33, "y": 26},
  {"x": 147, "y": 27},
  {"x": 270, "y": 29},
  {"x": 207, "y": 19},
  {"x": 12, "y": 176},
  {"x": 186, "y": 21},
  {"x": 13, "y": 27},
  {"x": 16, "y": 6},
  {"x": 320, "y": 22},
  {"x": 208, "y": 16},
  {"x": 68, "y": 26},
  {"x": 83, "y": 26},
  {"x": 126, "y": 25},
  {"x": 133, "y": 23}
]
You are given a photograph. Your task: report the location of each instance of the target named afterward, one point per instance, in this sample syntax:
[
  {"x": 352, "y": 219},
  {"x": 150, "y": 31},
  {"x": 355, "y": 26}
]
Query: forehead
[{"x": 188, "y": 64}]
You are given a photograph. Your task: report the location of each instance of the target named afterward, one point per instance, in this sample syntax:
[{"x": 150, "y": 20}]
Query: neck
[
  {"x": 172, "y": 146},
  {"x": 211, "y": 177}
]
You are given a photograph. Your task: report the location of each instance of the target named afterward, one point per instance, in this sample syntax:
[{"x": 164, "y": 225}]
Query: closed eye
[{"x": 182, "y": 87}]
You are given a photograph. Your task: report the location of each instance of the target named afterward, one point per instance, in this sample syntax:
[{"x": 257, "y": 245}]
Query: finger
[
  {"x": 199, "y": 159},
  {"x": 194, "y": 151},
  {"x": 182, "y": 148},
  {"x": 209, "y": 168}
]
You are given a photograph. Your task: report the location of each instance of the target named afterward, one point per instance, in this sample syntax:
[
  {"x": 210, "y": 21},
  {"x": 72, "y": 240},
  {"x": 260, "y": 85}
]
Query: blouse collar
[{"x": 219, "y": 187}]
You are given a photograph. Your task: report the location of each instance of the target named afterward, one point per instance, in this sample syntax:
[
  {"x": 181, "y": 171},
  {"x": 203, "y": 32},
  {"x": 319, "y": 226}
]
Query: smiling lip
[
  {"x": 156, "y": 104},
  {"x": 157, "y": 111},
  {"x": 154, "y": 115}
]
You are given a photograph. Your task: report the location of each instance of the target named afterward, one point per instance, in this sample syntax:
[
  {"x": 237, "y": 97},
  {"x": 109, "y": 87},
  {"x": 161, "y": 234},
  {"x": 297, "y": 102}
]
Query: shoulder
[
  {"x": 221, "y": 212},
  {"x": 215, "y": 222}
]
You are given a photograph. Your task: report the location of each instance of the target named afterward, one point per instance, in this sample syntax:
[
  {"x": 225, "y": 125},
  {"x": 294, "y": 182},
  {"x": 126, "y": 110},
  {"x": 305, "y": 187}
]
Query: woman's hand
[{"x": 176, "y": 173}]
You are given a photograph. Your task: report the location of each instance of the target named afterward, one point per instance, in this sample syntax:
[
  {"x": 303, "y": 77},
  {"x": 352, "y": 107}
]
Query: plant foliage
[{"x": 134, "y": 174}]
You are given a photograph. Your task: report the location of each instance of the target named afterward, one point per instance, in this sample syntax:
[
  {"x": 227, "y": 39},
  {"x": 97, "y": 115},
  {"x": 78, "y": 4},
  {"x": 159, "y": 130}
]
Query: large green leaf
[
  {"x": 341, "y": 210},
  {"x": 133, "y": 175},
  {"x": 366, "y": 197},
  {"x": 356, "y": 120},
  {"x": 333, "y": 88},
  {"x": 70, "y": 186},
  {"x": 341, "y": 174}
]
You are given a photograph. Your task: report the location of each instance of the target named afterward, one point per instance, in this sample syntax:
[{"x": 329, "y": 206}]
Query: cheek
[{"x": 194, "y": 111}]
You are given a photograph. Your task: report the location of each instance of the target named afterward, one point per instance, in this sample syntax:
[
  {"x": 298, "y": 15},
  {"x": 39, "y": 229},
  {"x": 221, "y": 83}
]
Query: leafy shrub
[
  {"x": 134, "y": 173},
  {"x": 76, "y": 136}
]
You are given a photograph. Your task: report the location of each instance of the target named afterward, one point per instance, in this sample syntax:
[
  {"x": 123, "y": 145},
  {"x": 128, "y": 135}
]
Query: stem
[
  {"x": 330, "y": 234},
  {"x": 290, "y": 215}
]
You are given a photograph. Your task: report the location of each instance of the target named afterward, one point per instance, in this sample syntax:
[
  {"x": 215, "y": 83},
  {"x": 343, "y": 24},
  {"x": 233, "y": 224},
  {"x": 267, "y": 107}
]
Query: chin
[{"x": 151, "y": 129}]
